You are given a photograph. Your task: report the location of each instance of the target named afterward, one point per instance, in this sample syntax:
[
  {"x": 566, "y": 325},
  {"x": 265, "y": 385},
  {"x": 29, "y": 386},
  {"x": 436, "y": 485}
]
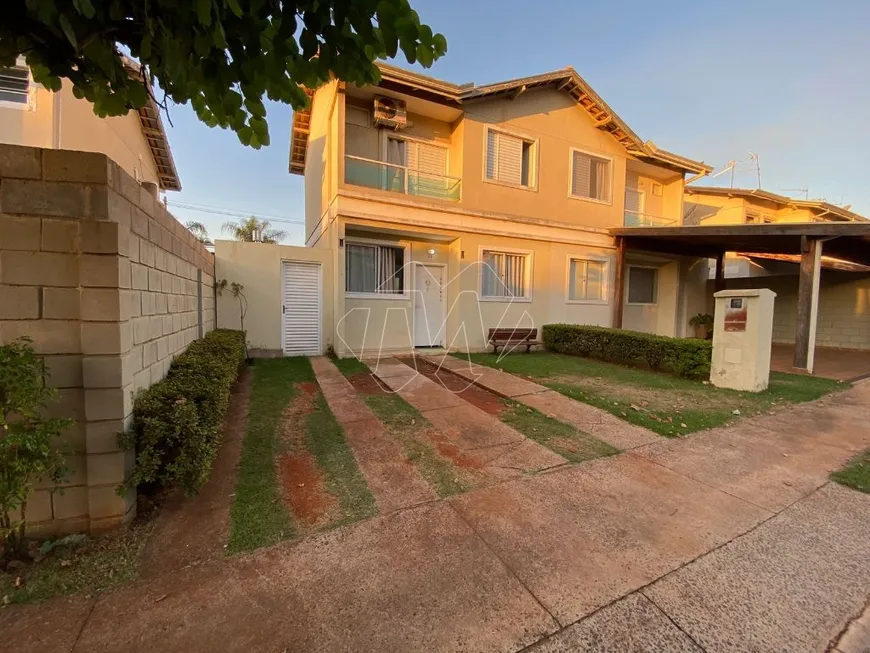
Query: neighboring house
[
  {"x": 33, "y": 116},
  {"x": 844, "y": 294},
  {"x": 444, "y": 210},
  {"x": 713, "y": 205}
]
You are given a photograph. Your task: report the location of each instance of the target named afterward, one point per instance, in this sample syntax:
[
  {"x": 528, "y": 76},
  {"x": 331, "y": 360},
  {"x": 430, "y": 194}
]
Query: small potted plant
[{"x": 703, "y": 323}]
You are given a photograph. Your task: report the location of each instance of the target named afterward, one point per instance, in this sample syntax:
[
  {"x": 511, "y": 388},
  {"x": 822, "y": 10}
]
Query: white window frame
[
  {"x": 405, "y": 295},
  {"x": 530, "y": 260},
  {"x": 597, "y": 155},
  {"x": 655, "y": 301},
  {"x": 605, "y": 282},
  {"x": 534, "y": 159},
  {"x": 30, "y": 105}
]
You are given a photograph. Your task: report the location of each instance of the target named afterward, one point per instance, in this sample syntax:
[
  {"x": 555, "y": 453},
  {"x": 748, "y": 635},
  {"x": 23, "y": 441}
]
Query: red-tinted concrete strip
[
  {"x": 589, "y": 419},
  {"x": 392, "y": 479},
  {"x": 496, "y": 447},
  {"x": 413, "y": 580}
]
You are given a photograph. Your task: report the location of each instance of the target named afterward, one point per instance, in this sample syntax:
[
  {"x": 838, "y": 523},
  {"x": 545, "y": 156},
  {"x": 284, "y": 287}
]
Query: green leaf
[
  {"x": 235, "y": 8},
  {"x": 68, "y": 30},
  {"x": 203, "y": 12},
  {"x": 85, "y": 8},
  {"x": 145, "y": 47}
]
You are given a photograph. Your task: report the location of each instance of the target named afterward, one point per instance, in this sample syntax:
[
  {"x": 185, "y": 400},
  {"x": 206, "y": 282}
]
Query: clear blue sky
[{"x": 789, "y": 80}]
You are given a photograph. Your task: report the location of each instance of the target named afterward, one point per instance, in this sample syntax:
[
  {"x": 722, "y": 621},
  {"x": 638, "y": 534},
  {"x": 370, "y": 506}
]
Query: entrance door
[
  {"x": 301, "y": 307},
  {"x": 429, "y": 306}
]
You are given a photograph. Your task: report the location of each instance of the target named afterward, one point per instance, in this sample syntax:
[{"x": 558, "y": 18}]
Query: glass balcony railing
[
  {"x": 399, "y": 179},
  {"x": 639, "y": 219}
]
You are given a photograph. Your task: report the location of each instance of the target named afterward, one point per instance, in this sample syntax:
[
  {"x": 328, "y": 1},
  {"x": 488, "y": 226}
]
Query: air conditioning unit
[{"x": 390, "y": 112}]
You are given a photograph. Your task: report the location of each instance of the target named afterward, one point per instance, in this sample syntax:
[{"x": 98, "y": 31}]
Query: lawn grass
[
  {"x": 325, "y": 440},
  {"x": 87, "y": 565},
  {"x": 564, "y": 439},
  {"x": 665, "y": 404},
  {"x": 350, "y": 366},
  {"x": 405, "y": 423},
  {"x": 258, "y": 516},
  {"x": 856, "y": 474}
]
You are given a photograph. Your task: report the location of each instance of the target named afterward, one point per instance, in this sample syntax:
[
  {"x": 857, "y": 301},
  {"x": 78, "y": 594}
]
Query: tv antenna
[
  {"x": 803, "y": 190},
  {"x": 731, "y": 165}
]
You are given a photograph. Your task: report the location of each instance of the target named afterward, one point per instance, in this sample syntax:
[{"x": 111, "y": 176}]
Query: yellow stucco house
[
  {"x": 435, "y": 211},
  {"x": 32, "y": 116},
  {"x": 844, "y": 288}
]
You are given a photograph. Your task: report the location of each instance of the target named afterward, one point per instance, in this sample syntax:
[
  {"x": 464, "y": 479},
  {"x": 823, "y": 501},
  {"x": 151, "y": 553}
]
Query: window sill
[
  {"x": 598, "y": 302},
  {"x": 506, "y": 300},
  {"x": 374, "y": 295},
  {"x": 641, "y": 303},
  {"x": 504, "y": 184},
  {"x": 590, "y": 199}
]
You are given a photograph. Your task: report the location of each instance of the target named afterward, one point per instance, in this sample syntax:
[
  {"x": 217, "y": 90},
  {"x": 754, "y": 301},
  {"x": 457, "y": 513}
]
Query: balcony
[
  {"x": 399, "y": 179},
  {"x": 640, "y": 219}
]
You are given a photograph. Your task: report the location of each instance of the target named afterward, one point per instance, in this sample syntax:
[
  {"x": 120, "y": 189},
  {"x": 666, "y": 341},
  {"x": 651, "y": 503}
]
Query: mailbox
[{"x": 742, "y": 336}]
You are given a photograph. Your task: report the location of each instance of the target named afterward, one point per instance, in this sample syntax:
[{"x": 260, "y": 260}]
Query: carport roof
[{"x": 845, "y": 241}]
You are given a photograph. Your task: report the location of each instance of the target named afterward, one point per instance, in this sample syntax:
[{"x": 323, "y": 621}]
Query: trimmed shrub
[
  {"x": 177, "y": 422},
  {"x": 685, "y": 357}
]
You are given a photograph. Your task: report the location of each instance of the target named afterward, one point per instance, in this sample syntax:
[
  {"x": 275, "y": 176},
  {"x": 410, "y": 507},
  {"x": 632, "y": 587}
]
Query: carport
[{"x": 848, "y": 242}]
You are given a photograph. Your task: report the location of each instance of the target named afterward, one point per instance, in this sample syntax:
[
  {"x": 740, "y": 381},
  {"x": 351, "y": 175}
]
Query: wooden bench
[{"x": 505, "y": 337}]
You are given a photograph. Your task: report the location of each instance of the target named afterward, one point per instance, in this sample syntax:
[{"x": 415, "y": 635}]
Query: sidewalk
[{"x": 731, "y": 540}]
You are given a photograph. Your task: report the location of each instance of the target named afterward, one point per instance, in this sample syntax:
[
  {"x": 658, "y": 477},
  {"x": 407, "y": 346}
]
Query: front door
[{"x": 429, "y": 306}]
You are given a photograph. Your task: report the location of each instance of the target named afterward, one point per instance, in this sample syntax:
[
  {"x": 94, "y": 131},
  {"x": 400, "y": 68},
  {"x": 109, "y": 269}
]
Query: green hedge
[
  {"x": 685, "y": 357},
  {"x": 176, "y": 426}
]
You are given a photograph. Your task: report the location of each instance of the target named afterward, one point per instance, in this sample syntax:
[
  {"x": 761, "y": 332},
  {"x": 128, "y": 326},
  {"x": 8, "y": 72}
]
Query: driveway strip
[
  {"x": 589, "y": 419},
  {"x": 392, "y": 479},
  {"x": 497, "y": 449}
]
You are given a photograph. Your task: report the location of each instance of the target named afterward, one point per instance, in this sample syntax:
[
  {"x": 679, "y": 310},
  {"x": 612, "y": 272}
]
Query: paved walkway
[
  {"x": 589, "y": 419},
  {"x": 394, "y": 482},
  {"x": 491, "y": 445},
  {"x": 731, "y": 540}
]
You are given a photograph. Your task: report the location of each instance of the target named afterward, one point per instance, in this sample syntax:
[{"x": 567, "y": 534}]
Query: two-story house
[
  {"x": 33, "y": 116},
  {"x": 451, "y": 209}
]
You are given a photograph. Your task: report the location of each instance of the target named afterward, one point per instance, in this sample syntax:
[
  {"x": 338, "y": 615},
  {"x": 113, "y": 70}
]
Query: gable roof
[
  {"x": 155, "y": 135},
  {"x": 566, "y": 80},
  {"x": 757, "y": 193}
]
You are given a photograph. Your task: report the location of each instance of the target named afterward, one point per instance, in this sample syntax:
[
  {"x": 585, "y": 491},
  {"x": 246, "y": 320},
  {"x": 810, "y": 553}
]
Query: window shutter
[
  {"x": 632, "y": 201},
  {"x": 510, "y": 159},
  {"x": 491, "y": 154},
  {"x": 14, "y": 84},
  {"x": 581, "y": 174},
  {"x": 430, "y": 158}
]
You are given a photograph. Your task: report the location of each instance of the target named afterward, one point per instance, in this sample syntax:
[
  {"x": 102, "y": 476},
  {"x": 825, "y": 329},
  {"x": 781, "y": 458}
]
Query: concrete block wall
[
  {"x": 109, "y": 286},
  {"x": 844, "y": 307}
]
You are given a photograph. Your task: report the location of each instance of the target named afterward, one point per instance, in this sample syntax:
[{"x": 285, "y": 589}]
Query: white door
[
  {"x": 429, "y": 306},
  {"x": 301, "y": 307}
]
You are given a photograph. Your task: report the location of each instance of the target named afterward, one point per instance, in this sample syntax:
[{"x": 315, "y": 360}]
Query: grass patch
[
  {"x": 325, "y": 440},
  {"x": 664, "y": 404},
  {"x": 856, "y": 474},
  {"x": 567, "y": 441},
  {"x": 350, "y": 366},
  {"x": 258, "y": 516},
  {"x": 403, "y": 422},
  {"x": 86, "y": 565}
]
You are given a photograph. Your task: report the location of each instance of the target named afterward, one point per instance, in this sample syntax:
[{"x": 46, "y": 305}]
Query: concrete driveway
[{"x": 732, "y": 540}]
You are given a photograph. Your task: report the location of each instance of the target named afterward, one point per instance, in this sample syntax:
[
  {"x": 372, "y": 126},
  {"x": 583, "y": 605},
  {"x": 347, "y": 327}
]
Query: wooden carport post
[
  {"x": 720, "y": 272},
  {"x": 807, "y": 303},
  {"x": 619, "y": 284}
]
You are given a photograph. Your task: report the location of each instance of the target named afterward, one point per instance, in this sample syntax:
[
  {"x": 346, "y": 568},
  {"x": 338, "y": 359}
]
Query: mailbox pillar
[{"x": 742, "y": 336}]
